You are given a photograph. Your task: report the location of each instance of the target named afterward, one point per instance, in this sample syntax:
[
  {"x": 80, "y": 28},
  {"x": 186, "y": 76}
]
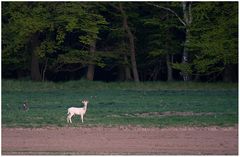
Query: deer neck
[{"x": 85, "y": 107}]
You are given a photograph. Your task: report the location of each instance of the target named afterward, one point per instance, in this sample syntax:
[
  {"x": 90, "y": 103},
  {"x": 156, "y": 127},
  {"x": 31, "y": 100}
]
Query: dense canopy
[{"x": 120, "y": 41}]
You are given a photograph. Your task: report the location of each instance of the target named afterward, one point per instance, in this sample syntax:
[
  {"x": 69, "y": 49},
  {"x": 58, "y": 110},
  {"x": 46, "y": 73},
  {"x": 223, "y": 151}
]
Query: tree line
[{"x": 138, "y": 41}]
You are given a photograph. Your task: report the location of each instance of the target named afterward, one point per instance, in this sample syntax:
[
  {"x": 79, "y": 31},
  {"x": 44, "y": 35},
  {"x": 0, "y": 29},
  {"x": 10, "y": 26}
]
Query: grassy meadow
[{"x": 149, "y": 104}]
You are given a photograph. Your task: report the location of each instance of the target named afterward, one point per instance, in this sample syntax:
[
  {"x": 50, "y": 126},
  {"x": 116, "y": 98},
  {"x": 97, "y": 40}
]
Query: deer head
[{"x": 85, "y": 102}]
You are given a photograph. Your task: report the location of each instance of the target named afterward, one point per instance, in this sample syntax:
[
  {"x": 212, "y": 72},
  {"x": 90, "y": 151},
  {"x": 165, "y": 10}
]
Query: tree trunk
[
  {"x": 227, "y": 74},
  {"x": 131, "y": 41},
  {"x": 35, "y": 71},
  {"x": 169, "y": 68},
  {"x": 169, "y": 57},
  {"x": 185, "y": 75},
  {"x": 90, "y": 72},
  {"x": 91, "y": 67},
  {"x": 188, "y": 20},
  {"x": 121, "y": 73},
  {"x": 44, "y": 70},
  {"x": 128, "y": 76},
  {"x": 124, "y": 73}
]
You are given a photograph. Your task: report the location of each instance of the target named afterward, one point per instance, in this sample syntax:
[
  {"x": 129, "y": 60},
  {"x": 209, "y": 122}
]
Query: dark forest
[{"x": 120, "y": 41}]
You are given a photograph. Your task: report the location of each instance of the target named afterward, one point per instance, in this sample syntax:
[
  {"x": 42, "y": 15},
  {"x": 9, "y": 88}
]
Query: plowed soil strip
[{"x": 120, "y": 140}]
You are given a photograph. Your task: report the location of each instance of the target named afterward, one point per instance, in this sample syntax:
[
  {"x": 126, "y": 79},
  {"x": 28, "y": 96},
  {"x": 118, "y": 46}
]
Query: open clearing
[
  {"x": 120, "y": 140},
  {"x": 122, "y": 118},
  {"x": 147, "y": 104}
]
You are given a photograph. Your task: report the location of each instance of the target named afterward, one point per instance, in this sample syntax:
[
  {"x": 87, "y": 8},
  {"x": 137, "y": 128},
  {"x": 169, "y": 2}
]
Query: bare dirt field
[{"x": 120, "y": 141}]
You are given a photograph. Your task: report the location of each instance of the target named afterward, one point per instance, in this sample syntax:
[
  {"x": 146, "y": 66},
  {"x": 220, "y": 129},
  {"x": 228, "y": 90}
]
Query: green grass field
[{"x": 150, "y": 104}]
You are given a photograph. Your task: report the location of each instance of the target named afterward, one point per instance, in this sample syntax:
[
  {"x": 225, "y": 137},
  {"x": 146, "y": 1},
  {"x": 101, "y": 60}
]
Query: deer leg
[
  {"x": 69, "y": 118},
  {"x": 82, "y": 118}
]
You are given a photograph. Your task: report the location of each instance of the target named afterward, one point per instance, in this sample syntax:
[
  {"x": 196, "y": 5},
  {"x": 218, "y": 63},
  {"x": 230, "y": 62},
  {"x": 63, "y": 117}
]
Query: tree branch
[
  {"x": 114, "y": 6},
  {"x": 44, "y": 70},
  {"x": 184, "y": 5},
  {"x": 190, "y": 12},
  {"x": 170, "y": 10}
]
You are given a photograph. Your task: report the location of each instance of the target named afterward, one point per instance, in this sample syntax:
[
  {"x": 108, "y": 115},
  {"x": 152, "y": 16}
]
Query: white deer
[{"x": 77, "y": 111}]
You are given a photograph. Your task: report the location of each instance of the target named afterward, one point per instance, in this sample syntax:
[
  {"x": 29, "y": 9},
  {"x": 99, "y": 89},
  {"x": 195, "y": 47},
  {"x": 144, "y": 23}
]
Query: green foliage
[
  {"x": 73, "y": 56},
  {"x": 23, "y": 20},
  {"x": 66, "y": 30},
  {"x": 113, "y": 104},
  {"x": 214, "y": 38},
  {"x": 186, "y": 67},
  {"x": 53, "y": 21},
  {"x": 161, "y": 39},
  {"x": 76, "y": 56},
  {"x": 157, "y": 53},
  {"x": 46, "y": 47}
]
